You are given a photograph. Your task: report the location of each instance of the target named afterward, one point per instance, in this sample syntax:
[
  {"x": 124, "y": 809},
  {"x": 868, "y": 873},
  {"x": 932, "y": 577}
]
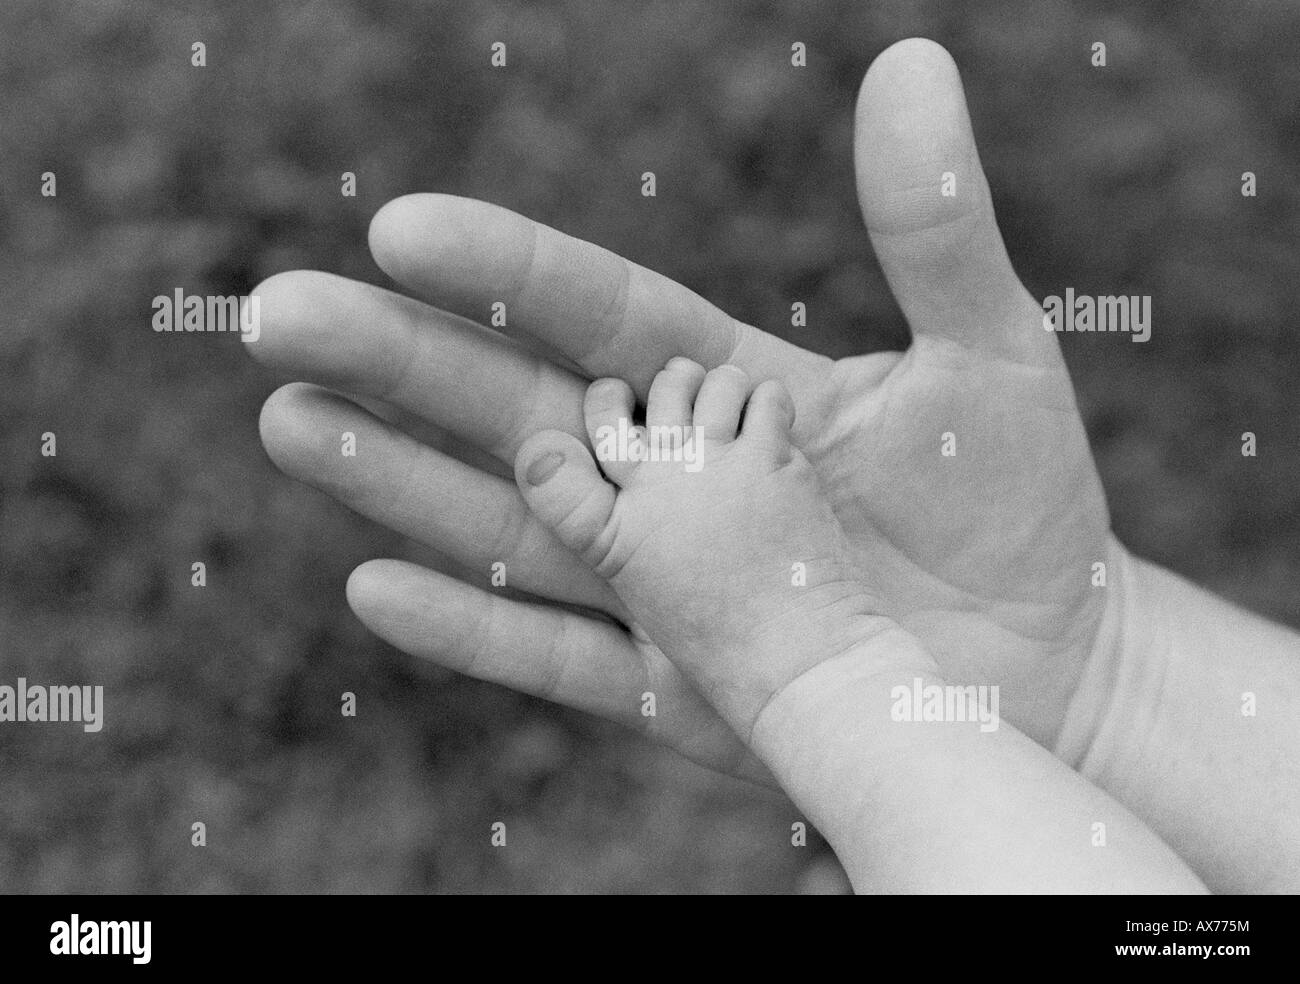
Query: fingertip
[
  {"x": 912, "y": 129},
  {"x": 391, "y": 228},
  {"x": 909, "y": 77},
  {"x": 376, "y": 585},
  {"x": 323, "y": 326},
  {"x": 362, "y": 589},
  {"x": 287, "y": 309},
  {"x": 928, "y": 208},
  {"x": 281, "y": 422},
  {"x": 451, "y": 250},
  {"x": 909, "y": 57},
  {"x": 380, "y": 591},
  {"x": 300, "y": 423}
]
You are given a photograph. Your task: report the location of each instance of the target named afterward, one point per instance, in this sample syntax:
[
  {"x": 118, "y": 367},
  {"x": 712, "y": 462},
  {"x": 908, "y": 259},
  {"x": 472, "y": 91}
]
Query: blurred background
[{"x": 223, "y": 703}]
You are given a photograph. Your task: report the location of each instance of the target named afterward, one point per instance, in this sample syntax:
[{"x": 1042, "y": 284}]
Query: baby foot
[{"x": 712, "y": 528}]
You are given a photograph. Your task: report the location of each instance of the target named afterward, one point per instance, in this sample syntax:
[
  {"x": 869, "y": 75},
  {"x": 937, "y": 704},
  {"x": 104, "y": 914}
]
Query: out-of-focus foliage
[{"x": 224, "y": 702}]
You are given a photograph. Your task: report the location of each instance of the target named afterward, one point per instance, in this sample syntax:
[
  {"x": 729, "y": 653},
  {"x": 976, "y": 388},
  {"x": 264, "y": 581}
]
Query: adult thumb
[{"x": 929, "y": 211}]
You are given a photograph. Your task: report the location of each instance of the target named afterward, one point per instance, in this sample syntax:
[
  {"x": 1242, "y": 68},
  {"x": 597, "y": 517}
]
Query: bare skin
[
  {"x": 987, "y": 556},
  {"x": 739, "y": 570},
  {"x": 737, "y": 567}
]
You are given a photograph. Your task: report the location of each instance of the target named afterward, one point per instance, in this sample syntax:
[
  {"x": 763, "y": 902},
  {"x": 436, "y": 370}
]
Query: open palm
[{"x": 986, "y": 554}]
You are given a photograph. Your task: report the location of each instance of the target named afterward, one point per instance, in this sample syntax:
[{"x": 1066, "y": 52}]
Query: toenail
[{"x": 543, "y": 468}]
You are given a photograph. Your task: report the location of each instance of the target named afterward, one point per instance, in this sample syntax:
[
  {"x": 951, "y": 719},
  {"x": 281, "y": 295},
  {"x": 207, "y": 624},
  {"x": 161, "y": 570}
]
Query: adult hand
[{"x": 986, "y": 554}]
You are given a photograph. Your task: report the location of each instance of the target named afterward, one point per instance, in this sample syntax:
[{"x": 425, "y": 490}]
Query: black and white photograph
[{"x": 690, "y": 447}]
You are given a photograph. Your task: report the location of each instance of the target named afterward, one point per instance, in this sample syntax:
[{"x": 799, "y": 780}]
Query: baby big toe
[{"x": 561, "y": 485}]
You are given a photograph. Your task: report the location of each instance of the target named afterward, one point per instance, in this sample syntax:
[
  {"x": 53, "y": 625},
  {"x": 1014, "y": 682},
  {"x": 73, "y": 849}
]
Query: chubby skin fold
[
  {"x": 703, "y": 560},
  {"x": 741, "y": 574}
]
